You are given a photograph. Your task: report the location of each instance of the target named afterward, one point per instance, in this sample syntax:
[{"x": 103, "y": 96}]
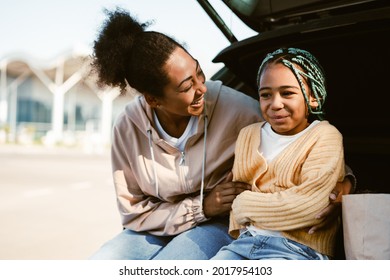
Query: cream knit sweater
[{"x": 288, "y": 192}]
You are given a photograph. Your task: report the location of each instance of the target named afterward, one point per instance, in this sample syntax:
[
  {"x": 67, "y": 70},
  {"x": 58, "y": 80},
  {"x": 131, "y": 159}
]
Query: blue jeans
[
  {"x": 260, "y": 247},
  {"x": 199, "y": 243}
]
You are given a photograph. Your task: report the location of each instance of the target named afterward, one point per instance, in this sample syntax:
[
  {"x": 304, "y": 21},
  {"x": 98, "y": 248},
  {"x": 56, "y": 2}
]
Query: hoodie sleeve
[{"x": 142, "y": 211}]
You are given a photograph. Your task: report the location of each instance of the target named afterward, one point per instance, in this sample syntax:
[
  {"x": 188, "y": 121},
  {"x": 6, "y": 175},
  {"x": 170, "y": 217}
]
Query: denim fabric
[
  {"x": 260, "y": 247},
  {"x": 199, "y": 243}
]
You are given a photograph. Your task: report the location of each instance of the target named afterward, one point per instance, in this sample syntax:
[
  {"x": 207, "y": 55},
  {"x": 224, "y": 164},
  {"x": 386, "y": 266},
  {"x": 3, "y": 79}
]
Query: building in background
[{"x": 56, "y": 103}]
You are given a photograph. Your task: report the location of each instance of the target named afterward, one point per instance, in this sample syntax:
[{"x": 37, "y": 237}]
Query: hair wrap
[{"x": 309, "y": 68}]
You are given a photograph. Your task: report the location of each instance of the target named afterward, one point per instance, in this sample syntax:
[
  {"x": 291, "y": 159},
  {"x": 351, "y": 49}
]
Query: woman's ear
[{"x": 151, "y": 100}]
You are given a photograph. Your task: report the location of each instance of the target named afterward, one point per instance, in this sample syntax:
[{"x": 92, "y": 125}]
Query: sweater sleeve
[{"x": 315, "y": 164}]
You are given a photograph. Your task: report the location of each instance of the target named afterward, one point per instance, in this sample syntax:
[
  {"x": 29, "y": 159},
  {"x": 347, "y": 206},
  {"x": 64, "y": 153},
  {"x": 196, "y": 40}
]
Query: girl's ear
[
  {"x": 151, "y": 100},
  {"x": 313, "y": 102}
]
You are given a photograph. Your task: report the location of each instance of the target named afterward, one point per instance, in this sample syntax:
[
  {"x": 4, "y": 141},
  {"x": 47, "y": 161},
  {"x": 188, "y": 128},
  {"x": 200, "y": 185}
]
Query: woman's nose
[{"x": 201, "y": 87}]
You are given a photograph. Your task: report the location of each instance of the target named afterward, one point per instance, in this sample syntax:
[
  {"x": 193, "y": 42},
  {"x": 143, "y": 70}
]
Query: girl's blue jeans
[
  {"x": 199, "y": 243},
  {"x": 259, "y": 247}
]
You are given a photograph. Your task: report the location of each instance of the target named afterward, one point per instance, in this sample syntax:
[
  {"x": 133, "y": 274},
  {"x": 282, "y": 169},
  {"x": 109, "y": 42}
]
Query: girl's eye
[
  {"x": 287, "y": 93},
  {"x": 265, "y": 95}
]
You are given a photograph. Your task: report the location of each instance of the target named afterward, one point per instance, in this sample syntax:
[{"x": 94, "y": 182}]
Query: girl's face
[
  {"x": 281, "y": 100},
  {"x": 184, "y": 94}
]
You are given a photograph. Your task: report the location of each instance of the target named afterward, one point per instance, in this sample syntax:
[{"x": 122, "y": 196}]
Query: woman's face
[
  {"x": 281, "y": 100},
  {"x": 184, "y": 94}
]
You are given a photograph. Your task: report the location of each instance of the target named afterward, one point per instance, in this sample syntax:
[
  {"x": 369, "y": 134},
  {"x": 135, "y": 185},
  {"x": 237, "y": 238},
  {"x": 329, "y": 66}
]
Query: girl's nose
[{"x": 277, "y": 102}]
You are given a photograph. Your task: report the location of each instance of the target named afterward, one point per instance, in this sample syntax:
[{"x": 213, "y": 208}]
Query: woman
[{"x": 172, "y": 148}]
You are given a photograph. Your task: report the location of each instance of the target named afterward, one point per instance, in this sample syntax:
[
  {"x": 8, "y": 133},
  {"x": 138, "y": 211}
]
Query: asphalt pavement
[{"x": 55, "y": 203}]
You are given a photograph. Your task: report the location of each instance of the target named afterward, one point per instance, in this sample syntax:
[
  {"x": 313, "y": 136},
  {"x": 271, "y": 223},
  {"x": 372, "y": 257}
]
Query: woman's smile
[{"x": 198, "y": 102}]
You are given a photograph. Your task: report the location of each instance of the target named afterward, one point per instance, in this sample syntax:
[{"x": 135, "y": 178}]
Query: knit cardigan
[{"x": 288, "y": 192}]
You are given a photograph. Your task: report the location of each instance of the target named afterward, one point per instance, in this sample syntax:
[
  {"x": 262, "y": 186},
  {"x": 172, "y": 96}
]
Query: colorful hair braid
[{"x": 312, "y": 72}]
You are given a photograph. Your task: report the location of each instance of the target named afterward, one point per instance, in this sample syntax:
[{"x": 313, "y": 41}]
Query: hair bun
[{"x": 116, "y": 38}]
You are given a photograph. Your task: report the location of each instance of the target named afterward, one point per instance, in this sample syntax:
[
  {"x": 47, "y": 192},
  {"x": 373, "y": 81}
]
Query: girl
[{"x": 291, "y": 163}]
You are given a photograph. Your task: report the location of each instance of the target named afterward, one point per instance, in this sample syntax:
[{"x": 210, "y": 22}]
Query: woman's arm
[
  {"x": 333, "y": 210},
  {"x": 219, "y": 201}
]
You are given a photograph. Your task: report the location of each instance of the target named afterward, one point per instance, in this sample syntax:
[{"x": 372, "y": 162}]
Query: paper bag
[{"x": 366, "y": 226}]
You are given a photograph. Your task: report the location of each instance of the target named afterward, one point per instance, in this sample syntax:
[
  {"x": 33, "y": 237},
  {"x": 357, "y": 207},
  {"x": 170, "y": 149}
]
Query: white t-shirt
[
  {"x": 272, "y": 143},
  {"x": 179, "y": 143}
]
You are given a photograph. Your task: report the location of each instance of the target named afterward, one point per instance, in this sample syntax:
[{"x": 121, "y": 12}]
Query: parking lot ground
[{"x": 55, "y": 204}]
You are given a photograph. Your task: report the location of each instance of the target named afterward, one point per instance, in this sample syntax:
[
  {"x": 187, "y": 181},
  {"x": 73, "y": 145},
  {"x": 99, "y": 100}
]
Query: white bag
[{"x": 366, "y": 226}]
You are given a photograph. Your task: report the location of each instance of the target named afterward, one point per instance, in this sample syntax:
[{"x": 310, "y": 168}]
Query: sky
[{"x": 45, "y": 29}]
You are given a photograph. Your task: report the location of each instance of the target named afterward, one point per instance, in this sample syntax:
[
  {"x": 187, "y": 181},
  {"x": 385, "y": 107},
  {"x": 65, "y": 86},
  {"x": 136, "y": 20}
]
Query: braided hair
[{"x": 303, "y": 65}]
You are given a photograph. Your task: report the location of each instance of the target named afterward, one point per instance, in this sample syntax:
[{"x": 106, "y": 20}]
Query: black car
[{"x": 350, "y": 39}]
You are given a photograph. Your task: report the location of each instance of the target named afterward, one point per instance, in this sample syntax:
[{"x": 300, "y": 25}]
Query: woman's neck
[{"x": 174, "y": 125}]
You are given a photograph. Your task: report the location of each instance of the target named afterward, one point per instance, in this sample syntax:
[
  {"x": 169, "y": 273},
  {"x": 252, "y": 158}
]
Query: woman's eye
[
  {"x": 187, "y": 88},
  {"x": 202, "y": 76}
]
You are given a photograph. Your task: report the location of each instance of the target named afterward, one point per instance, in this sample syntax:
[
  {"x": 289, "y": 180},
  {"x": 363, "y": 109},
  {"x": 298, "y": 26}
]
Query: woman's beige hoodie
[{"x": 160, "y": 189}]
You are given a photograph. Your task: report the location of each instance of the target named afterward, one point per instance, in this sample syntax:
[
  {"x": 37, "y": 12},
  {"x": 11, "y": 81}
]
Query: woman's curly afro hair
[{"x": 124, "y": 53}]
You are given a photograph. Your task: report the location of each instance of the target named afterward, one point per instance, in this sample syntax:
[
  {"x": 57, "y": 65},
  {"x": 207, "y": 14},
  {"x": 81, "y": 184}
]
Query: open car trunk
[{"x": 350, "y": 40}]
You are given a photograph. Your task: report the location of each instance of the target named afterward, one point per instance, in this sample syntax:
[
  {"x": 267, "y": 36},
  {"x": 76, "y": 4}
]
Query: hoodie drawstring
[
  {"x": 203, "y": 161},
  {"x": 149, "y": 131},
  {"x": 153, "y": 161}
]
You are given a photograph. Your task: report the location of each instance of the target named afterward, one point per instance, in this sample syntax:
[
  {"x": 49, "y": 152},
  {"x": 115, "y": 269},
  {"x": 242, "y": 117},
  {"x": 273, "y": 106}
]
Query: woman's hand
[
  {"x": 333, "y": 210},
  {"x": 219, "y": 201}
]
